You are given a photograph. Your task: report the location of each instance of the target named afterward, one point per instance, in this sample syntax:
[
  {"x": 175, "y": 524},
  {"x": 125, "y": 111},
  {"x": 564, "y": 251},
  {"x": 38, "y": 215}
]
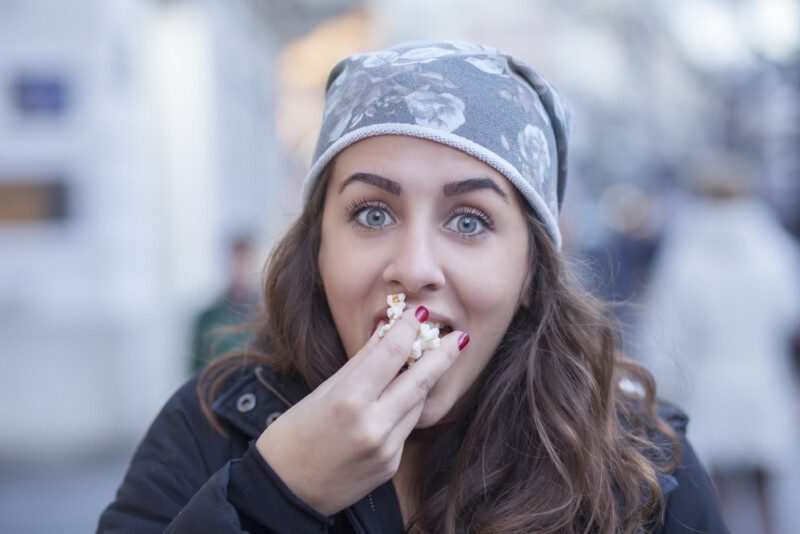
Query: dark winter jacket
[{"x": 185, "y": 477}]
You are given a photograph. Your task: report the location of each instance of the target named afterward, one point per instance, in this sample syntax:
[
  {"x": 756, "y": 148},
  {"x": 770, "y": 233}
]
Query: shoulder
[
  {"x": 665, "y": 450},
  {"x": 182, "y": 468},
  {"x": 692, "y": 504}
]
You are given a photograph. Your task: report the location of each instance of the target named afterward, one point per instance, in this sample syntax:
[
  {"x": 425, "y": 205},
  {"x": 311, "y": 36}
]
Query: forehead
[{"x": 413, "y": 162}]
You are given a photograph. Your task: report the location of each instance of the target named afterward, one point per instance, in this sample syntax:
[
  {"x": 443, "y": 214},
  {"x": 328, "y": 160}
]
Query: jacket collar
[{"x": 254, "y": 398}]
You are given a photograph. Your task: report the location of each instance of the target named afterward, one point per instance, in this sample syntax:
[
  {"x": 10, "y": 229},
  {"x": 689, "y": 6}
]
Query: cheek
[
  {"x": 339, "y": 269},
  {"x": 490, "y": 292},
  {"x": 491, "y": 286},
  {"x": 347, "y": 273},
  {"x": 340, "y": 272}
]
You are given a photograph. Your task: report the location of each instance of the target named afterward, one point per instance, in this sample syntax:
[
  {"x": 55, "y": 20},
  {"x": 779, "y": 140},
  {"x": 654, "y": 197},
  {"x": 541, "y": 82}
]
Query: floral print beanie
[{"x": 463, "y": 95}]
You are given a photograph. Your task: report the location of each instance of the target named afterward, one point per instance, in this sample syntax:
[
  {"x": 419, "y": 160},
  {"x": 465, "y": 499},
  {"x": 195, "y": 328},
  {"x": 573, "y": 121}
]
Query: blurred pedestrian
[
  {"x": 214, "y": 330},
  {"x": 724, "y": 300}
]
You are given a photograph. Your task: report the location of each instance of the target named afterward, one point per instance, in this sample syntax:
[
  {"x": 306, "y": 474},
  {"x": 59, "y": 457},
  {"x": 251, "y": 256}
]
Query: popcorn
[
  {"x": 396, "y": 299},
  {"x": 397, "y": 303},
  {"x": 428, "y": 336}
]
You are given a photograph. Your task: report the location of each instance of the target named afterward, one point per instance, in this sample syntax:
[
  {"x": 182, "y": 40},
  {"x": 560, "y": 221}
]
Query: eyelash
[
  {"x": 353, "y": 208},
  {"x": 480, "y": 215}
]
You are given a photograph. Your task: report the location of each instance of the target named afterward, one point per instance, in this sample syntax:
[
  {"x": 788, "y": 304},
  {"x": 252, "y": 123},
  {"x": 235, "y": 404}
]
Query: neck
[
  {"x": 412, "y": 451},
  {"x": 418, "y": 442},
  {"x": 403, "y": 480}
]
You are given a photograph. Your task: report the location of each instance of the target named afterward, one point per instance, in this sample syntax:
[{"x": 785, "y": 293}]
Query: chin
[
  {"x": 428, "y": 419},
  {"x": 444, "y": 407},
  {"x": 432, "y": 414}
]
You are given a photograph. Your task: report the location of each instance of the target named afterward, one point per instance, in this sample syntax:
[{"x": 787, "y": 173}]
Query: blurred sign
[
  {"x": 40, "y": 95},
  {"x": 25, "y": 202}
]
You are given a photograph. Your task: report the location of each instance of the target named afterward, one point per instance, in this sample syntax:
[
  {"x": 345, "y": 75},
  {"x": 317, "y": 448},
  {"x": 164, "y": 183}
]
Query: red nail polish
[
  {"x": 463, "y": 339},
  {"x": 422, "y": 314}
]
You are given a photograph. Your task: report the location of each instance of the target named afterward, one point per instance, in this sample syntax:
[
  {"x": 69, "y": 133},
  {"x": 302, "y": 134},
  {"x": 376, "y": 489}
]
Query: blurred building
[
  {"x": 136, "y": 138},
  {"x": 80, "y": 229}
]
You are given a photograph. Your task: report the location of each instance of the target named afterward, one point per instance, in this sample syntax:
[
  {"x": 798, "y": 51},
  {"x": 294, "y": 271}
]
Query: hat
[{"x": 464, "y": 95}]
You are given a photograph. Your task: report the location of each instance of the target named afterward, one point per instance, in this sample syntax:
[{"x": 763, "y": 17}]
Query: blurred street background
[{"x": 151, "y": 152}]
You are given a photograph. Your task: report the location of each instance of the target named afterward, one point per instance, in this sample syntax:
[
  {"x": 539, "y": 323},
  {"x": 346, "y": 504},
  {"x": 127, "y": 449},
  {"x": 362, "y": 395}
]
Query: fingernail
[
  {"x": 421, "y": 314},
  {"x": 463, "y": 339},
  {"x": 376, "y": 326}
]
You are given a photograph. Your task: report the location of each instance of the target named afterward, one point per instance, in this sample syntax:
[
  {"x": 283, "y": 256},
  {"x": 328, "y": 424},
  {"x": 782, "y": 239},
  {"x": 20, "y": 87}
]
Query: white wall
[{"x": 166, "y": 150}]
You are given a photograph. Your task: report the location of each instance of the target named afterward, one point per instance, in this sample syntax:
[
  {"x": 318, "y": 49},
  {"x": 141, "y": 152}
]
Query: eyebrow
[
  {"x": 372, "y": 179},
  {"x": 472, "y": 184},
  {"x": 450, "y": 189}
]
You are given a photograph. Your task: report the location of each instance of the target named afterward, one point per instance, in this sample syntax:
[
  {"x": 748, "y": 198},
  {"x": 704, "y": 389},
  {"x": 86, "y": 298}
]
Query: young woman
[{"x": 439, "y": 174}]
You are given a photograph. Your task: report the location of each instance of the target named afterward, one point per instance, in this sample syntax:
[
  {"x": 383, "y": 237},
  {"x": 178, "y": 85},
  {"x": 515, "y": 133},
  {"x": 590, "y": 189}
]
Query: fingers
[
  {"x": 374, "y": 339},
  {"x": 377, "y": 367},
  {"x": 413, "y": 386},
  {"x": 353, "y": 363},
  {"x": 399, "y": 434}
]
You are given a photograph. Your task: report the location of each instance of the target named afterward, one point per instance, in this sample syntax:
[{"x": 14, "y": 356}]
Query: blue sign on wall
[{"x": 46, "y": 95}]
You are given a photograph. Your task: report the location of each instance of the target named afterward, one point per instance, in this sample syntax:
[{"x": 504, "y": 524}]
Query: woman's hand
[{"x": 346, "y": 437}]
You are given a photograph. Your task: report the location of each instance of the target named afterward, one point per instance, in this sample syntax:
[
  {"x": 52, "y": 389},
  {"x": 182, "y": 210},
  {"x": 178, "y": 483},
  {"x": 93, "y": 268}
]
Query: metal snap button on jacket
[
  {"x": 246, "y": 403},
  {"x": 271, "y": 417}
]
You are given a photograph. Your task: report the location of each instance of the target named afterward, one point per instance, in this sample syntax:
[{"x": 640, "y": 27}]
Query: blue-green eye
[
  {"x": 374, "y": 217},
  {"x": 466, "y": 224}
]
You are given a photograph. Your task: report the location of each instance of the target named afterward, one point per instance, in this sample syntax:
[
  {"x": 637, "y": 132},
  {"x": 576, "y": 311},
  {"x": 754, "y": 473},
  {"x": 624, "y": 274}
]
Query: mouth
[
  {"x": 445, "y": 329},
  {"x": 443, "y": 325}
]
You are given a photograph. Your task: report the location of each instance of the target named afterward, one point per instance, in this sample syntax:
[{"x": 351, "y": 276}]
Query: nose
[{"x": 415, "y": 265}]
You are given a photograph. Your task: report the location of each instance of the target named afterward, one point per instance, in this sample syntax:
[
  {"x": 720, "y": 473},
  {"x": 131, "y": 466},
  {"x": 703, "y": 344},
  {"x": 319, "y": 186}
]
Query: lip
[{"x": 433, "y": 318}]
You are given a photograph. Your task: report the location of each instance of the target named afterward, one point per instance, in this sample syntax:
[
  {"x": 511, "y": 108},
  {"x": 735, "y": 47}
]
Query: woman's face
[{"x": 408, "y": 215}]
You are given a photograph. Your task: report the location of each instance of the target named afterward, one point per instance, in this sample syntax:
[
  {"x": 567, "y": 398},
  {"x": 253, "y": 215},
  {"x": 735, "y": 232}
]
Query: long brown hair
[{"x": 546, "y": 440}]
